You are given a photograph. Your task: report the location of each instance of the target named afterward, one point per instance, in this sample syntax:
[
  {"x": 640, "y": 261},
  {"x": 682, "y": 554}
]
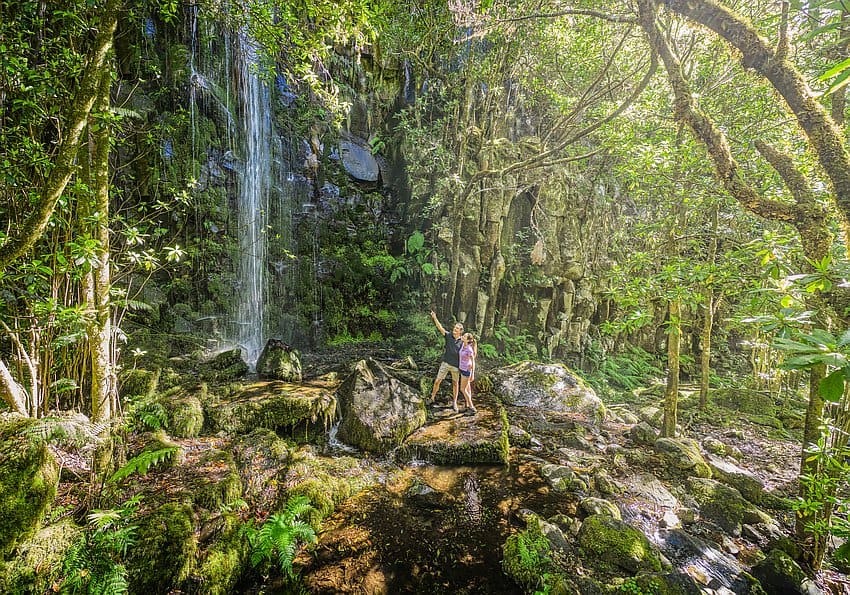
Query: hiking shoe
[
  {"x": 454, "y": 408},
  {"x": 471, "y": 411}
]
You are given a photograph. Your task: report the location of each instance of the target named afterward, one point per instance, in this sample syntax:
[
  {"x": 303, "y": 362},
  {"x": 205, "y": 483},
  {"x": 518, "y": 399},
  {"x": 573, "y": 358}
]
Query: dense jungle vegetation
[{"x": 653, "y": 193}]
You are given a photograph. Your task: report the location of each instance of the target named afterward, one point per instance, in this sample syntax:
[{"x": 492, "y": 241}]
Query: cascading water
[
  {"x": 269, "y": 195},
  {"x": 252, "y": 202}
]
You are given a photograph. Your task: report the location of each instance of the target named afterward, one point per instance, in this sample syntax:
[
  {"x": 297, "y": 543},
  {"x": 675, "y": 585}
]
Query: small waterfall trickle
[{"x": 252, "y": 201}]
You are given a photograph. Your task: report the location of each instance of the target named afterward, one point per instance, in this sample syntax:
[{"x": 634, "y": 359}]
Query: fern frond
[{"x": 143, "y": 461}]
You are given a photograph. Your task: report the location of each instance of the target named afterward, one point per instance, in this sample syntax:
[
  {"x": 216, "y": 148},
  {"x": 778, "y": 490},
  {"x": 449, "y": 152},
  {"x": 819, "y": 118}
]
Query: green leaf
[
  {"x": 831, "y": 388},
  {"x": 840, "y": 81},
  {"x": 835, "y": 69}
]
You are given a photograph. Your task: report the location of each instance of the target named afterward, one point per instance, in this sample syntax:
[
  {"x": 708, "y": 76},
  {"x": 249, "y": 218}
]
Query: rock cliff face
[{"x": 512, "y": 251}]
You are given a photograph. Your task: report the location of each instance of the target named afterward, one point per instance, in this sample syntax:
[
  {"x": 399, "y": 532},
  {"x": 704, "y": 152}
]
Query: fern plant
[
  {"x": 281, "y": 535},
  {"x": 93, "y": 564},
  {"x": 144, "y": 461}
]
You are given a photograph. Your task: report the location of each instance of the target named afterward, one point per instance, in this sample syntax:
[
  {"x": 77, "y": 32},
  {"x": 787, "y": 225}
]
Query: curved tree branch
[
  {"x": 756, "y": 53},
  {"x": 64, "y": 166}
]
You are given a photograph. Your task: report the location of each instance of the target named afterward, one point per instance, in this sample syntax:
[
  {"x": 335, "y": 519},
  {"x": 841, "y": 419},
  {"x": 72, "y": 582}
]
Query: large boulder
[
  {"x": 546, "y": 387},
  {"x": 750, "y": 486},
  {"x": 358, "y": 161},
  {"x": 279, "y": 361},
  {"x": 724, "y": 505},
  {"x": 302, "y": 409},
  {"x": 224, "y": 367},
  {"x": 29, "y": 477},
  {"x": 611, "y": 540},
  {"x": 378, "y": 410},
  {"x": 37, "y": 565}
]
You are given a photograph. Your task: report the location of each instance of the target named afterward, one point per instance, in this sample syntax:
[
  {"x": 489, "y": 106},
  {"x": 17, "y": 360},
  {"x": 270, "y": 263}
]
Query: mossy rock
[
  {"x": 138, "y": 383},
  {"x": 164, "y": 551},
  {"x": 605, "y": 538},
  {"x": 185, "y": 415},
  {"x": 260, "y": 457},
  {"x": 223, "y": 367},
  {"x": 527, "y": 556},
  {"x": 217, "y": 481},
  {"x": 29, "y": 477},
  {"x": 326, "y": 481},
  {"x": 221, "y": 566},
  {"x": 779, "y": 573},
  {"x": 37, "y": 564},
  {"x": 745, "y": 400},
  {"x": 724, "y": 505},
  {"x": 306, "y": 411},
  {"x": 673, "y": 583},
  {"x": 682, "y": 457}
]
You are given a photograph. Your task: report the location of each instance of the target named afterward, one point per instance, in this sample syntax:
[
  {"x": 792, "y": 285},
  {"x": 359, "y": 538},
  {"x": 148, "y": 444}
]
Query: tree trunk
[
  {"x": 75, "y": 122},
  {"x": 671, "y": 394},
  {"x": 815, "y": 544},
  {"x": 13, "y": 395},
  {"x": 99, "y": 331},
  {"x": 708, "y": 320}
]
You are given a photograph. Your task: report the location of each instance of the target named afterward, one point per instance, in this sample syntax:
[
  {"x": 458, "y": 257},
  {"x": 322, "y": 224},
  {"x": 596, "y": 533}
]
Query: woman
[{"x": 467, "y": 354}]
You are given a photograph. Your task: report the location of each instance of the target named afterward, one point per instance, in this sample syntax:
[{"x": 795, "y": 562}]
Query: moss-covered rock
[
  {"x": 745, "y": 400},
  {"x": 185, "y": 414},
  {"x": 724, "y": 505},
  {"x": 29, "y": 477},
  {"x": 326, "y": 481},
  {"x": 527, "y": 556},
  {"x": 305, "y": 411},
  {"x": 673, "y": 583},
  {"x": 165, "y": 549},
  {"x": 227, "y": 365},
  {"x": 217, "y": 481},
  {"x": 547, "y": 387},
  {"x": 279, "y": 361},
  {"x": 220, "y": 566},
  {"x": 605, "y": 538},
  {"x": 682, "y": 457},
  {"x": 779, "y": 573},
  {"x": 37, "y": 564},
  {"x": 261, "y": 457},
  {"x": 137, "y": 382},
  {"x": 378, "y": 410}
]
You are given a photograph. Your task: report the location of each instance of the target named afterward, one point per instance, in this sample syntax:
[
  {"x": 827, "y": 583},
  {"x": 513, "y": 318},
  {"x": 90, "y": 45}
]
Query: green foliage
[
  {"x": 629, "y": 370},
  {"x": 94, "y": 564},
  {"x": 819, "y": 347},
  {"x": 632, "y": 586},
  {"x": 141, "y": 463},
  {"x": 516, "y": 345},
  {"x": 146, "y": 414},
  {"x": 279, "y": 537},
  {"x": 825, "y": 487}
]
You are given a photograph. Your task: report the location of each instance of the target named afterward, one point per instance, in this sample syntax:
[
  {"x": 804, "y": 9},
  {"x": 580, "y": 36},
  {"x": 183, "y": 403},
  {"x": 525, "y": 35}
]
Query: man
[{"x": 450, "y": 361}]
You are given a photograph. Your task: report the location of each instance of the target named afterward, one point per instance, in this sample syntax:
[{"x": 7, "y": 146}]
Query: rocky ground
[{"x": 545, "y": 488}]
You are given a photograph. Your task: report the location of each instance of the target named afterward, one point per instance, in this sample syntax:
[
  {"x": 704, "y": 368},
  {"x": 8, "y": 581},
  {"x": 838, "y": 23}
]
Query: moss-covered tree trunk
[
  {"x": 99, "y": 328},
  {"x": 671, "y": 393}
]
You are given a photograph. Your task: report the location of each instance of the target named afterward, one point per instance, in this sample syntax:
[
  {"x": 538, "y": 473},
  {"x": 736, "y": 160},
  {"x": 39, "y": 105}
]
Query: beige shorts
[{"x": 445, "y": 369}]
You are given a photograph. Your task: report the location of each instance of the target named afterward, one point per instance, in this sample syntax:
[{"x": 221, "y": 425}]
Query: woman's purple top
[{"x": 467, "y": 354}]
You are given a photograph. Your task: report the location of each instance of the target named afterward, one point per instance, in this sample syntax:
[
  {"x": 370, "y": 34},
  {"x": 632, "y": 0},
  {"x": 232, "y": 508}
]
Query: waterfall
[{"x": 252, "y": 202}]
